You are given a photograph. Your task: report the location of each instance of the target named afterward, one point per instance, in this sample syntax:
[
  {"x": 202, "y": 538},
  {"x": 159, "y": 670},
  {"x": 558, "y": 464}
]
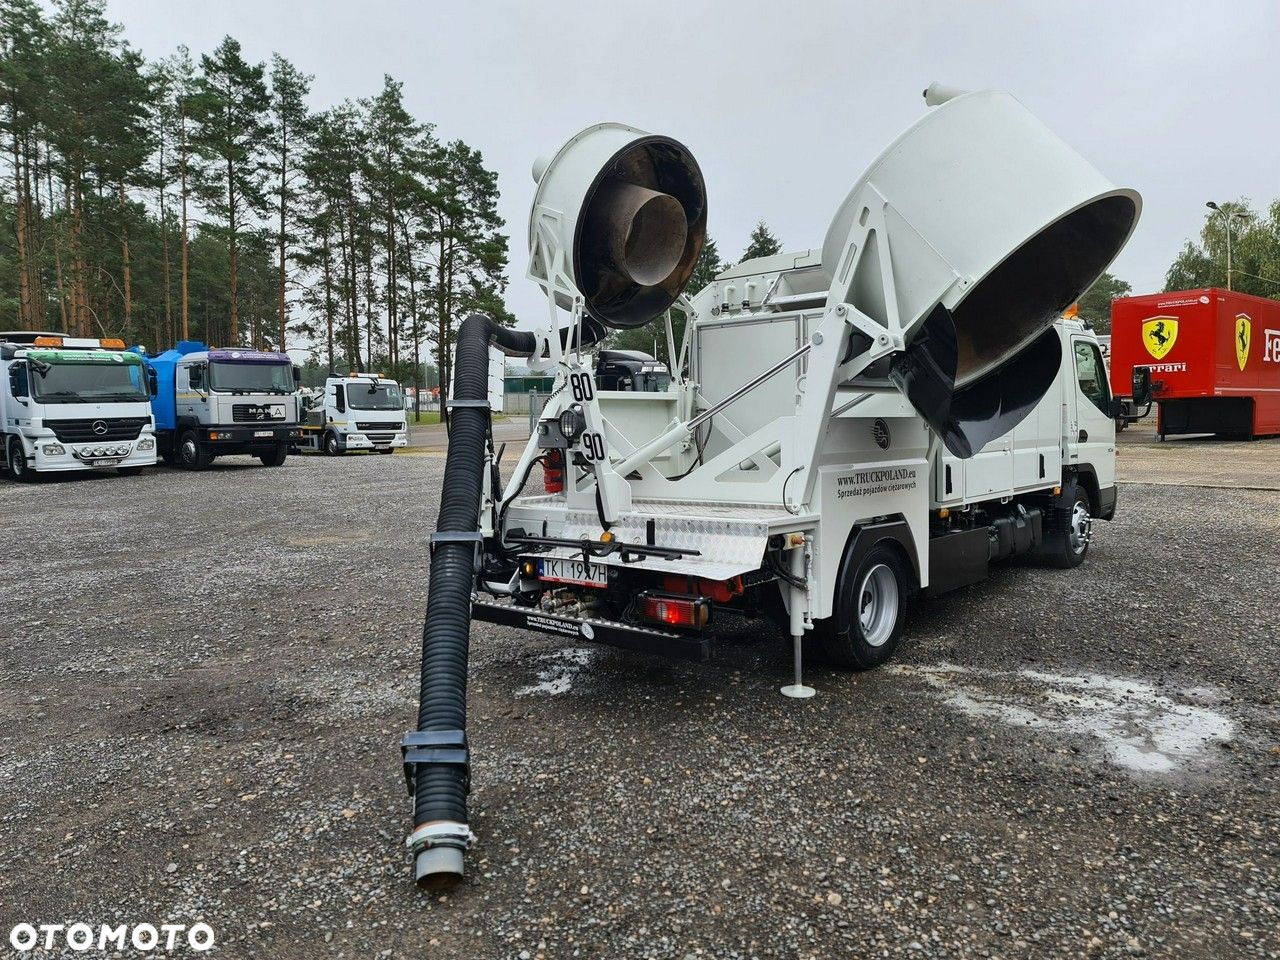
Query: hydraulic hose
[{"x": 437, "y": 762}]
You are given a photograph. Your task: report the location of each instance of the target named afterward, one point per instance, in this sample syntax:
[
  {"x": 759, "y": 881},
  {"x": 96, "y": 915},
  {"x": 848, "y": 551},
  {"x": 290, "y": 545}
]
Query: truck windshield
[
  {"x": 375, "y": 396},
  {"x": 227, "y": 376},
  {"x": 88, "y": 381}
]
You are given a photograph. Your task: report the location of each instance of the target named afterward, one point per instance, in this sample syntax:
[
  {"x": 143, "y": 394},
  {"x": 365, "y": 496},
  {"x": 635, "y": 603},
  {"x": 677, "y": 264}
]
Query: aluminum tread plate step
[{"x": 730, "y": 538}]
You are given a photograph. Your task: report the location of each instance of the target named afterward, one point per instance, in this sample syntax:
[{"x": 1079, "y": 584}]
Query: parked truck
[
  {"x": 73, "y": 403},
  {"x": 211, "y": 403},
  {"x": 858, "y": 425},
  {"x": 361, "y": 411},
  {"x": 1213, "y": 356}
]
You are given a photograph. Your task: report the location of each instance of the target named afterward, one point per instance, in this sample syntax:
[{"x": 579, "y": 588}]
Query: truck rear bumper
[{"x": 608, "y": 632}]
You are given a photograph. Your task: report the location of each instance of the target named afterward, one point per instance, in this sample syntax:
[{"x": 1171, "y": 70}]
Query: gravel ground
[{"x": 204, "y": 679}]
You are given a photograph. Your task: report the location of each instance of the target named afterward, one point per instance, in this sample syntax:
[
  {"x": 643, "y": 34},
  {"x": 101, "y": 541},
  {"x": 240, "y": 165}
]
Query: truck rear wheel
[
  {"x": 866, "y": 627},
  {"x": 276, "y": 457},
  {"x": 191, "y": 452},
  {"x": 16, "y": 459}
]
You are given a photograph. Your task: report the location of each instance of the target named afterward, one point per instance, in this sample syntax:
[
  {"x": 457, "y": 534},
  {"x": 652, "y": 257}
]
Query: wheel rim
[
  {"x": 1081, "y": 528},
  {"x": 17, "y": 460},
  {"x": 878, "y": 605},
  {"x": 189, "y": 450}
]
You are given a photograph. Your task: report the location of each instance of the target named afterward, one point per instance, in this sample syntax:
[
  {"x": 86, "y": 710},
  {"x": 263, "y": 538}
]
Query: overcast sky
[{"x": 784, "y": 104}]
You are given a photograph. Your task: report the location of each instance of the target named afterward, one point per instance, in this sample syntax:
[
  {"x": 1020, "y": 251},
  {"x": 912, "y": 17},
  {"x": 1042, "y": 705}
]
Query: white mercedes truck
[
  {"x": 73, "y": 403},
  {"x": 361, "y": 411}
]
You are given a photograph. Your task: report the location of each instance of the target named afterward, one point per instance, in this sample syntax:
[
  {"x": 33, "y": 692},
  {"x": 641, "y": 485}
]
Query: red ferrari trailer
[{"x": 1214, "y": 357}]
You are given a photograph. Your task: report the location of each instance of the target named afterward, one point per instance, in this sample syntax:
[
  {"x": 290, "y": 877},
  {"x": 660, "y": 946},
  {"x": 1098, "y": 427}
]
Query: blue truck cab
[{"x": 217, "y": 402}]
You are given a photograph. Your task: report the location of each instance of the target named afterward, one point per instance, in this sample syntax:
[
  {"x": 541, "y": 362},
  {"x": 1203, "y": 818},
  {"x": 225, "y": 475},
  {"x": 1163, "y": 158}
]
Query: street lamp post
[{"x": 1227, "y": 218}]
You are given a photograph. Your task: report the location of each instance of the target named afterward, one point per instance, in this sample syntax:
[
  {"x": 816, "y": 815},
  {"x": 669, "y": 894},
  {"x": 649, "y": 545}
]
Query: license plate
[
  {"x": 263, "y": 433},
  {"x": 103, "y": 463},
  {"x": 556, "y": 570}
]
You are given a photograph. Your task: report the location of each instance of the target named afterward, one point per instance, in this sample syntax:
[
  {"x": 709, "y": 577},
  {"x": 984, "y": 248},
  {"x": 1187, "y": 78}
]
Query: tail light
[
  {"x": 692, "y": 613},
  {"x": 553, "y": 472}
]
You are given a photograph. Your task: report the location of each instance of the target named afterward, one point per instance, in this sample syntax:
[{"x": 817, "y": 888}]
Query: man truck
[
  {"x": 361, "y": 411},
  {"x": 212, "y": 403},
  {"x": 73, "y": 403}
]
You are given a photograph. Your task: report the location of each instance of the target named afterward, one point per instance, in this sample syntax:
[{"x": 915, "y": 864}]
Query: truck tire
[
  {"x": 866, "y": 628},
  {"x": 16, "y": 460},
  {"x": 332, "y": 445},
  {"x": 276, "y": 457},
  {"x": 1068, "y": 543},
  {"x": 192, "y": 454}
]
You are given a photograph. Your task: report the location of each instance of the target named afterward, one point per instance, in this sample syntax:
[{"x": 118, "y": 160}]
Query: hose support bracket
[{"x": 444, "y": 747}]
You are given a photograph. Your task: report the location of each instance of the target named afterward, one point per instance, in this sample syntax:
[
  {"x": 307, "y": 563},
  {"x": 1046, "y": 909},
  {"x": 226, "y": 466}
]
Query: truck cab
[
  {"x": 219, "y": 402},
  {"x": 73, "y": 404},
  {"x": 361, "y": 411}
]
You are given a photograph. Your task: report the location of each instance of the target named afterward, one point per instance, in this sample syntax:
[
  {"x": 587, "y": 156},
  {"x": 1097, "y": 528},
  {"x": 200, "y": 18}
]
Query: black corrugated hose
[{"x": 437, "y": 753}]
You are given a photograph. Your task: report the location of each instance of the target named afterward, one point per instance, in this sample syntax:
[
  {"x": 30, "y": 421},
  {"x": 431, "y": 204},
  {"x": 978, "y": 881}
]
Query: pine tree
[
  {"x": 290, "y": 126},
  {"x": 230, "y": 122},
  {"x": 762, "y": 243}
]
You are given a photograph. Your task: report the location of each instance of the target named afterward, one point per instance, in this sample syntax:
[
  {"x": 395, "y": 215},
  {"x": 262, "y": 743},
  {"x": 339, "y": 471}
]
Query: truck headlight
[
  {"x": 146, "y": 443},
  {"x": 54, "y": 449}
]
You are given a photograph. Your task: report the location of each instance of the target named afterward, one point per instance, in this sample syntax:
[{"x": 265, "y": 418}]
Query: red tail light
[
  {"x": 553, "y": 472},
  {"x": 688, "y": 612}
]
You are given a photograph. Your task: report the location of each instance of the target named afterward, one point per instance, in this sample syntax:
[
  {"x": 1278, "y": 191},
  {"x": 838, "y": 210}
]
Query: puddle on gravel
[
  {"x": 558, "y": 671},
  {"x": 1137, "y": 727}
]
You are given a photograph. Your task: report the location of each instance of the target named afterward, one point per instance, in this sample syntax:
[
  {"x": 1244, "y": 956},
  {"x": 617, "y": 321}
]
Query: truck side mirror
[
  {"x": 297, "y": 376},
  {"x": 1141, "y": 386},
  {"x": 15, "y": 380},
  {"x": 340, "y": 399},
  {"x": 196, "y": 377},
  {"x": 152, "y": 383}
]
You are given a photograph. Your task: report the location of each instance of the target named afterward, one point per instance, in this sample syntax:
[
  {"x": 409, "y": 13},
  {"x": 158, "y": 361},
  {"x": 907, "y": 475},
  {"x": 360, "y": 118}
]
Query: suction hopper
[{"x": 991, "y": 226}]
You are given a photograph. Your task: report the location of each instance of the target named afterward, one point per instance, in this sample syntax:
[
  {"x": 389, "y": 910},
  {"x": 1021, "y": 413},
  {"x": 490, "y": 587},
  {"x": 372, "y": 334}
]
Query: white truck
[
  {"x": 73, "y": 403},
  {"x": 847, "y": 427},
  {"x": 361, "y": 411}
]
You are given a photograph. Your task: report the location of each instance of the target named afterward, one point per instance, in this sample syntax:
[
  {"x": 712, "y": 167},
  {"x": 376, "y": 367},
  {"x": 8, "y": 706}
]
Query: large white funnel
[
  {"x": 629, "y": 211},
  {"x": 981, "y": 210}
]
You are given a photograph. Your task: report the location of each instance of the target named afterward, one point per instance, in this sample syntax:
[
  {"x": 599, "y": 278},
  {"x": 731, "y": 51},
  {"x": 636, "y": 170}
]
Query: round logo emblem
[
  {"x": 880, "y": 434},
  {"x": 587, "y": 632},
  {"x": 99, "y": 427},
  {"x": 1203, "y": 298}
]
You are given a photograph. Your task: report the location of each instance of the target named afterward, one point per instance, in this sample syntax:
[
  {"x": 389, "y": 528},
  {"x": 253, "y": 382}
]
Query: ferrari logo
[
  {"x": 1159, "y": 334},
  {"x": 1244, "y": 336}
]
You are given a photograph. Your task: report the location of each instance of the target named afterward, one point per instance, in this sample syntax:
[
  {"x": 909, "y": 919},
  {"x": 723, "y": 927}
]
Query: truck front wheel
[
  {"x": 276, "y": 457},
  {"x": 191, "y": 453},
  {"x": 1067, "y": 545},
  {"x": 866, "y": 627},
  {"x": 332, "y": 445},
  {"x": 16, "y": 458}
]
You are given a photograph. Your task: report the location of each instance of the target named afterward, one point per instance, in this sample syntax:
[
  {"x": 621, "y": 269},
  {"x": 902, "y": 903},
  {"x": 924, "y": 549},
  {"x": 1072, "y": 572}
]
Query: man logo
[
  {"x": 1159, "y": 334},
  {"x": 1244, "y": 336},
  {"x": 99, "y": 427}
]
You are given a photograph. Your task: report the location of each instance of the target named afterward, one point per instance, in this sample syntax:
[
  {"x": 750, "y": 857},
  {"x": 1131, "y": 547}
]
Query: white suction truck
[
  {"x": 73, "y": 404},
  {"x": 361, "y": 411},
  {"x": 847, "y": 428}
]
